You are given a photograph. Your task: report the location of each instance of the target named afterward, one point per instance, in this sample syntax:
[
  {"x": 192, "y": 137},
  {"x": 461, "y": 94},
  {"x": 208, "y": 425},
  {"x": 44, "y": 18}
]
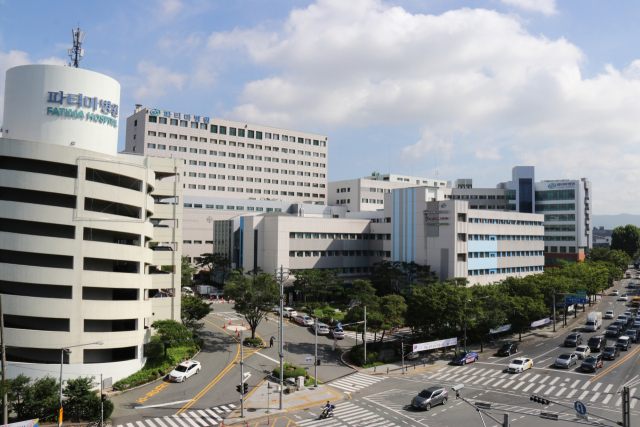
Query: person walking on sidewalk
[{"x": 271, "y": 342}]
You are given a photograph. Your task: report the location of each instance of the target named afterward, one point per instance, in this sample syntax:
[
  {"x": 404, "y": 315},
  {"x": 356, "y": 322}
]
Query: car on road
[
  {"x": 464, "y": 357},
  {"x": 337, "y": 333},
  {"x": 634, "y": 334},
  {"x": 303, "y": 319},
  {"x": 609, "y": 314},
  {"x": 623, "y": 298},
  {"x": 582, "y": 351},
  {"x": 566, "y": 360},
  {"x": 623, "y": 319},
  {"x": 573, "y": 340},
  {"x": 611, "y": 352},
  {"x": 413, "y": 355},
  {"x": 520, "y": 364},
  {"x": 613, "y": 331},
  {"x": 322, "y": 329},
  {"x": 630, "y": 314},
  {"x": 430, "y": 397},
  {"x": 592, "y": 363},
  {"x": 631, "y": 285},
  {"x": 508, "y": 349},
  {"x": 287, "y": 312},
  {"x": 624, "y": 343},
  {"x": 184, "y": 371},
  {"x": 597, "y": 342},
  {"x": 614, "y": 293}
]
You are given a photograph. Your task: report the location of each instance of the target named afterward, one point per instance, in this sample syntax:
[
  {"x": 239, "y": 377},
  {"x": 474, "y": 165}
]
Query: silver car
[
  {"x": 566, "y": 360},
  {"x": 430, "y": 397}
]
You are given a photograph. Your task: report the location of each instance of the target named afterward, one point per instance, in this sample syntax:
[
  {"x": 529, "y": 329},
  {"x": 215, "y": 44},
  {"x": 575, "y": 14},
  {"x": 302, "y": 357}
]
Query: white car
[
  {"x": 582, "y": 352},
  {"x": 303, "y": 319},
  {"x": 413, "y": 355},
  {"x": 623, "y": 298},
  {"x": 338, "y": 333},
  {"x": 615, "y": 292},
  {"x": 287, "y": 312},
  {"x": 609, "y": 314},
  {"x": 322, "y": 329},
  {"x": 184, "y": 371},
  {"x": 520, "y": 364}
]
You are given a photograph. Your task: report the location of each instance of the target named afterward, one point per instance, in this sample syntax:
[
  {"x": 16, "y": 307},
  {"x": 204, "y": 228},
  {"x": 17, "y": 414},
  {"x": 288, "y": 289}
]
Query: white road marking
[{"x": 165, "y": 404}]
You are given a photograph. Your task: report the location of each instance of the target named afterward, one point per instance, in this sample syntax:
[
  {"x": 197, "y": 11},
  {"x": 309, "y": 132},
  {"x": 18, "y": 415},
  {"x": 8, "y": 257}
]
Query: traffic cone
[
  {"x": 243, "y": 323},
  {"x": 236, "y": 329},
  {"x": 210, "y": 298},
  {"x": 238, "y": 334},
  {"x": 224, "y": 326},
  {"x": 229, "y": 321}
]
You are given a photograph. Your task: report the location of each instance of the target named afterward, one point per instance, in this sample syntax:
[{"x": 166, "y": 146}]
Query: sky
[{"x": 431, "y": 88}]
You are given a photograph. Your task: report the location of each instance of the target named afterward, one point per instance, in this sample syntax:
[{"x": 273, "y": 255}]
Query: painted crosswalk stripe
[
  {"x": 494, "y": 373},
  {"x": 188, "y": 419},
  {"x": 466, "y": 378},
  {"x": 231, "y": 405},
  {"x": 555, "y": 380},
  {"x": 550, "y": 389},
  {"x": 150, "y": 423},
  {"x": 179, "y": 421},
  {"x": 562, "y": 390},
  {"x": 478, "y": 371},
  {"x": 207, "y": 417},
  {"x": 225, "y": 408},
  {"x": 572, "y": 393},
  {"x": 575, "y": 384},
  {"x": 130, "y": 425},
  {"x": 594, "y": 397},
  {"x": 539, "y": 388},
  {"x": 489, "y": 381},
  {"x": 213, "y": 414},
  {"x": 583, "y": 395},
  {"x": 517, "y": 386},
  {"x": 140, "y": 424},
  {"x": 633, "y": 402},
  {"x": 619, "y": 401},
  {"x": 597, "y": 387},
  {"x": 168, "y": 420},
  {"x": 361, "y": 419},
  {"x": 535, "y": 377},
  {"x": 528, "y": 387},
  {"x": 218, "y": 410},
  {"x": 606, "y": 390},
  {"x": 586, "y": 385},
  {"x": 479, "y": 380},
  {"x": 542, "y": 381},
  {"x": 607, "y": 399},
  {"x": 509, "y": 383},
  {"x": 522, "y": 377},
  {"x": 159, "y": 421}
]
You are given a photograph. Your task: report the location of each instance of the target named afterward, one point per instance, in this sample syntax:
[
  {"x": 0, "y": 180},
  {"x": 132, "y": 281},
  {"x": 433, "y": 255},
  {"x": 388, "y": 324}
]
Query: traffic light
[
  {"x": 318, "y": 362},
  {"x": 103, "y": 397},
  {"x": 239, "y": 388},
  {"x": 246, "y": 388},
  {"x": 537, "y": 399}
]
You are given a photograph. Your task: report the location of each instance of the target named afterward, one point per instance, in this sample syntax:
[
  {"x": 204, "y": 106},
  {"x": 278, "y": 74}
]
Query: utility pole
[
  {"x": 554, "y": 309},
  {"x": 315, "y": 364},
  {"x": 5, "y": 413},
  {"x": 402, "y": 352},
  {"x": 241, "y": 375},
  {"x": 365, "y": 335},
  {"x": 626, "y": 410},
  {"x": 465, "y": 325},
  {"x": 280, "y": 275},
  {"x": 101, "y": 402}
]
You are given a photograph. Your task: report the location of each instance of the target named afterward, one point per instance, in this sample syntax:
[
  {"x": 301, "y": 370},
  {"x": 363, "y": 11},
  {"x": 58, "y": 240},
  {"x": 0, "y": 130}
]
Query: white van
[{"x": 594, "y": 321}]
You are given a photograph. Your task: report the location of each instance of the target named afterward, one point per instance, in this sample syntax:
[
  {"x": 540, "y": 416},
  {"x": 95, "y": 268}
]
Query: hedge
[
  {"x": 297, "y": 372},
  {"x": 156, "y": 367},
  {"x": 254, "y": 341}
]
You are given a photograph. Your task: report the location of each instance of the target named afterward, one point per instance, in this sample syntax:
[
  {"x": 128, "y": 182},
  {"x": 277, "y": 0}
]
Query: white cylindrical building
[{"x": 76, "y": 221}]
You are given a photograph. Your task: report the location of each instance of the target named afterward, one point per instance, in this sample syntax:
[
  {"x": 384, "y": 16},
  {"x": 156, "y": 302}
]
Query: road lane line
[
  {"x": 162, "y": 404},
  {"x": 616, "y": 364},
  {"x": 267, "y": 357}
]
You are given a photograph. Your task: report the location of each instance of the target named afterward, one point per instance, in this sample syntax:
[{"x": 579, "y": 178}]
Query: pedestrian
[{"x": 271, "y": 342}]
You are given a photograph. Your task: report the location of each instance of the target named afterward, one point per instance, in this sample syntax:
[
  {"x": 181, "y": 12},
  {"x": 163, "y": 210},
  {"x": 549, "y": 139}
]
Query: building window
[
  {"x": 183, "y": 123},
  {"x": 462, "y": 257},
  {"x": 462, "y": 217},
  {"x": 151, "y": 145}
]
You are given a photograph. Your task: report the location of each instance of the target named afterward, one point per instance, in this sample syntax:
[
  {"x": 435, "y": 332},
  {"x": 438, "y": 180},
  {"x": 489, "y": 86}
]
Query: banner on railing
[
  {"x": 500, "y": 329},
  {"x": 28, "y": 423},
  {"x": 435, "y": 344},
  {"x": 541, "y": 322}
]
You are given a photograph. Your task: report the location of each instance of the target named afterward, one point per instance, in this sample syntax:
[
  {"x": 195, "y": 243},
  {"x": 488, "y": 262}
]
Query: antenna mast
[{"x": 76, "y": 53}]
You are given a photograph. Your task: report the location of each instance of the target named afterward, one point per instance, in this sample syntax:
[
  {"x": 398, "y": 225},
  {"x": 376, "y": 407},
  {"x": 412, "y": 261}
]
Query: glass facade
[
  {"x": 559, "y": 217},
  {"x": 556, "y": 207},
  {"x": 555, "y": 195},
  {"x": 525, "y": 193}
]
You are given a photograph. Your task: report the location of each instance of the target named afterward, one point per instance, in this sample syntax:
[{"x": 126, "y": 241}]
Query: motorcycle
[{"x": 326, "y": 413}]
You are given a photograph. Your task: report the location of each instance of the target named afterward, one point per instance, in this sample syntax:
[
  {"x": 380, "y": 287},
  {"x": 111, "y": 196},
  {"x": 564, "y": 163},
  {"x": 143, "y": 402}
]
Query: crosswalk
[
  {"x": 356, "y": 382},
  {"x": 351, "y": 415},
  {"x": 228, "y": 315},
  {"x": 533, "y": 382},
  {"x": 196, "y": 418},
  {"x": 371, "y": 337}
]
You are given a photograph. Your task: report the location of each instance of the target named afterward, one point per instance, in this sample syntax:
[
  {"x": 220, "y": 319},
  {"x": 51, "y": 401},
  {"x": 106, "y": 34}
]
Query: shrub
[
  {"x": 297, "y": 372},
  {"x": 253, "y": 341},
  {"x": 357, "y": 356},
  {"x": 153, "y": 366},
  {"x": 328, "y": 311}
]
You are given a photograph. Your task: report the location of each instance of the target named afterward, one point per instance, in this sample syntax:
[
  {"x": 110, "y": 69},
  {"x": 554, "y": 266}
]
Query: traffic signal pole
[{"x": 241, "y": 376}]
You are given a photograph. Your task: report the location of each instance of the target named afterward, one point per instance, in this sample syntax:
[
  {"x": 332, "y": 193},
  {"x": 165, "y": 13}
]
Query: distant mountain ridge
[{"x": 609, "y": 222}]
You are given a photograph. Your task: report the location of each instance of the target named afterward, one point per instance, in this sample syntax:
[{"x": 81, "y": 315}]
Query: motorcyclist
[{"x": 328, "y": 407}]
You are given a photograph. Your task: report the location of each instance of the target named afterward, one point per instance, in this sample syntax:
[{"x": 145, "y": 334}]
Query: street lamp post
[
  {"x": 282, "y": 274},
  {"x": 64, "y": 350}
]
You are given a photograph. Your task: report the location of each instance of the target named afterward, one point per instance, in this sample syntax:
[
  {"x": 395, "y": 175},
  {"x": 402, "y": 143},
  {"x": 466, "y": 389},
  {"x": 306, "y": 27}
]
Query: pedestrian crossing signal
[
  {"x": 537, "y": 399},
  {"x": 246, "y": 388},
  {"x": 239, "y": 388}
]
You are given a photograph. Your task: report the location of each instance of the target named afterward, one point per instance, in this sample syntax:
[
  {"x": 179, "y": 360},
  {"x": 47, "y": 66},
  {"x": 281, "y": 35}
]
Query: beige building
[{"x": 83, "y": 229}]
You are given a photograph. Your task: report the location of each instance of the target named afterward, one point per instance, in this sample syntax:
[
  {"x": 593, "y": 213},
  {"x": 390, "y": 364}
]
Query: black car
[
  {"x": 613, "y": 331},
  {"x": 624, "y": 343},
  {"x": 430, "y": 397},
  {"x": 573, "y": 340},
  {"x": 508, "y": 349},
  {"x": 622, "y": 326},
  {"x": 592, "y": 363},
  {"x": 597, "y": 343},
  {"x": 633, "y": 334},
  {"x": 611, "y": 352}
]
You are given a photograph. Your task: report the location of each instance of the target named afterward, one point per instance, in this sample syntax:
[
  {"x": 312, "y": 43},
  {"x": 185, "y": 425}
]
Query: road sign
[
  {"x": 580, "y": 408},
  {"x": 308, "y": 359},
  {"x": 582, "y": 292},
  {"x": 575, "y": 299},
  {"x": 560, "y": 304}
]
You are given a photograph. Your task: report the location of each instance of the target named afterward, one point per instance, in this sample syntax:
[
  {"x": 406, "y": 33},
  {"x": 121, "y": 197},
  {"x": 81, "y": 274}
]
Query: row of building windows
[
  {"x": 300, "y": 254},
  {"x": 555, "y": 195},
  {"x": 563, "y": 227},
  {"x": 254, "y": 191},
  {"x": 559, "y": 238},
  {"x": 563, "y": 249},
  {"x": 487, "y": 272},
  {"x": 474, "y": 197},
  {"x": 500, "y": 221},
  {"x": 253, "y": 179},
  {"x": 197, "y": 242},
  {"x": 230, "y": 208},
  {"x": 373, "y": 201},
  {"x": 489, "y": 207},
  {"x": 556, "y": 207},
  {"x": 560, "y": 217},
  {"x": 222, "y": 130},
  {"x": 340, "y": 236},
  {"x": 505, "y": 237},
  {"x": 224, "y": 153},
  {"x": 503, "y": 254},
  {"x": 255, "y": 168}
]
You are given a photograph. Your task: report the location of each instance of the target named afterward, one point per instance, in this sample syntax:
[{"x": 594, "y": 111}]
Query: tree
[
  {"x": 303, "y": 281},
  {"x": 363, "y": 292},
  {"x": 172, "y": 334},
  {"x": 617, "y": 257},
  {"x": 254, "y": 297},
  {"x": 187, "y": 272},
  {"x": 19, "y": 395},
  {"x": 82, "y": 403},
  {"x": 192, "y": 310},
  {"x": 393, "y": 308},
  {"x": 627, "y": 239},
  {"x": 216, "y": 264}
]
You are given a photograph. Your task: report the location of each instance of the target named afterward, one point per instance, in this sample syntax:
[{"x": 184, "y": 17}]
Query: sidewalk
[{"x": 263, "y": 402}]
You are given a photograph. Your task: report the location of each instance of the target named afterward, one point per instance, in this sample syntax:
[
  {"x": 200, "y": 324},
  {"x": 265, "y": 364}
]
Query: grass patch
[
  {"x": 311, "y": 382},
  {"x": 337, "y": 317},
  {"x": 156, "y": 367},
  {"x": 371, "y": 365}
]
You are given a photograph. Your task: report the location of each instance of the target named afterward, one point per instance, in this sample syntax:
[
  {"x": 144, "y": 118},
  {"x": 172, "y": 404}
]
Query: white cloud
[
  {"x": 14, "y": 58},
  {"x": 547, "y": 7},
  {"x": 156, "y": 81},
  {"x": 168, "y": 9}
]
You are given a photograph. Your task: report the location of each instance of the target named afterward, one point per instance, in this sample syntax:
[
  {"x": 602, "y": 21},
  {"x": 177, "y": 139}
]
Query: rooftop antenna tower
[{"x": 76, "y": 52}]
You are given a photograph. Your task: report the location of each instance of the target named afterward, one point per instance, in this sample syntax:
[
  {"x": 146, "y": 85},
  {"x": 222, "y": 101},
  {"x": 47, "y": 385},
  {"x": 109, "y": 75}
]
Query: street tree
[
  {"x": 187, "y": 272},
  {"x": 192, "y": 310},
  {"x": 217, "y": 264},
  {"x": 627, "y": 239},
  {"x": 82, "y": 402},
  {"x": 254, "y": 297},
  {"x": 172, "y": 334}
]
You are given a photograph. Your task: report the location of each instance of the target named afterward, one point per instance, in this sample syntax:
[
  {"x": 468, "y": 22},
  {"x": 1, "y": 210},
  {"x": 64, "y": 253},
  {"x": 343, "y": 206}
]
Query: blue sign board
[
  {"x": 580, "y": 408},
  {"x": 577, "y": 300},
  {"x": 308, "y": 359},
  {"x": 560, "y": 304}
]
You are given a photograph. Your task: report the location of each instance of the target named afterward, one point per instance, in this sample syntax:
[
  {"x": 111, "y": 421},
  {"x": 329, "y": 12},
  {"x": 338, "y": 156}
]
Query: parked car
[
  {"x": 630, "y": 315},
  {"x": 413, "y": 355},
  {"x": 430, "y": 397},
  {"x": 592, "y": 363},
  {"x": 573, "y": 340},
  {"x": 338, "y": 333},
  {"x": 609, "y": 314},
  {"x": 611, "y": 352},
  {"x": 566, "y": 360},
  {"x": 322, "y": 328},
  {"x": 597, "y": 343},
  {"x": 624, "y": 343},
  {"x": 184, "y": 371},
  {"x": 162, "y": 248},
  {"x": 615, "y": 293},
  {"x": 464, "y": 357},
  {"x": 508, "y": 349},
  {"x": 161, "y": 295},
  {"x": 631, "y": 285},
  {"x": 582, "y": 351},
  {"x": 520, "y": 364}
]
